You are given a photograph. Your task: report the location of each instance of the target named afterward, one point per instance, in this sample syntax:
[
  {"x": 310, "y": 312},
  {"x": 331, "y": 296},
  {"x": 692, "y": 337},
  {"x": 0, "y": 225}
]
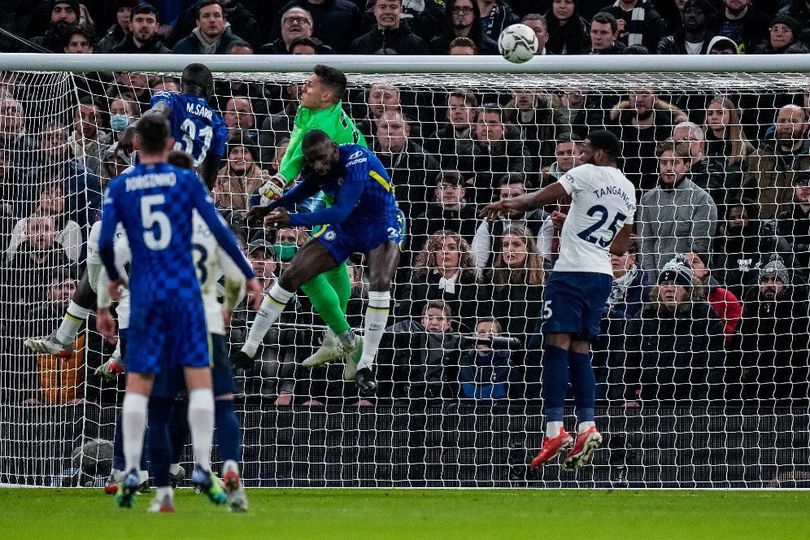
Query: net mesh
[{"x": 704, "y": 388}]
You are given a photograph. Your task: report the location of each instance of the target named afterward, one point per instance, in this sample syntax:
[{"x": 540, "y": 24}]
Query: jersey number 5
[
  {"x": 614, "y": 226},
  {"x": 152, "y": 219}
]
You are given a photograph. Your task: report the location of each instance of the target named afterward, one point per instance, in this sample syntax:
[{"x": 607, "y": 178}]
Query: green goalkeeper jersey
[{"x": 333, "y": 121}]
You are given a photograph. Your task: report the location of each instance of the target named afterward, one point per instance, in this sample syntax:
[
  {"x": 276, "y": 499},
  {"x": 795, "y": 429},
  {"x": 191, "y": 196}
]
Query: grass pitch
[{"x": 314, "y": 514}]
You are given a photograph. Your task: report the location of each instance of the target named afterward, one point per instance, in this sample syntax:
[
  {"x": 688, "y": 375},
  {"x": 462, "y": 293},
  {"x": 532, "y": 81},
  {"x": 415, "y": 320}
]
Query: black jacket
[
  {"x": 435, "y": 218},
  {"x": 674, "y": 356},
  {"x": 402, "y": 40},
  {"x": 242, "y": 21},
  {"x": 676, "y": 44},
  {"x": 128, "y": 46},
  {"x": 277, "y": 46},
  {"x": 336, "y": 22},
  {"x": 794, "y": 226}
]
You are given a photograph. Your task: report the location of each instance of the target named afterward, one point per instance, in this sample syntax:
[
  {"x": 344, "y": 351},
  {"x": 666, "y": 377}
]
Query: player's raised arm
[{"x": 517, "y": 206}]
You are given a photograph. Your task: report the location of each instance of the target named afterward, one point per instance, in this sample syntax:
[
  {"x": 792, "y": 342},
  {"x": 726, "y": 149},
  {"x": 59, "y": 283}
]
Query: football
[{"x": 517, "y": 43}]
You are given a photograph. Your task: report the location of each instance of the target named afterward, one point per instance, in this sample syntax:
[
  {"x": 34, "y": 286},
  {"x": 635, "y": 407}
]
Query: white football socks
[
  {"x": 201, "y": 425},
  {"x": 273, "y": 304},
  {"x": 553, "y": 429},
  {"x": 133, "y": 426},
  {"x": 71, "y": 322},
  {"x": 585, "y": 426},
  {"x": 374, "y": 326}
]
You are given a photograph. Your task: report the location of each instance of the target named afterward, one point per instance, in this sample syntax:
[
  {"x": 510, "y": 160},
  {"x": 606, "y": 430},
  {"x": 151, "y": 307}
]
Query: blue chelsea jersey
[{"x": 196, "y": 128}]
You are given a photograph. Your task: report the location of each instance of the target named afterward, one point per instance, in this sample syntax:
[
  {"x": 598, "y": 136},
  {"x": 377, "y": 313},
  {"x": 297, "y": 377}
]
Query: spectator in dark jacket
[
  {"x": 784, "y": 31},
  {"x": 794, "y": 223},
  {"x": 143, "y": 37},
  {"x": 443, "y": 270},
  {"x": 741, "y": 23},
  {"x": 296, "y": 23},
  {"x": 639, "y": 23},
  {"x": 695, "y": 36},
  {"x": 241, "y": 20},
  {"x": 390, "y": 32},
  {"x": 463, "y": 19},
  {"x": 337, "y": 22},
  {"x": 448, "y": 211},
  {"x": 800, "y": 11},
  {"x": 483, "y": 371},
  {"x": 64, "y": 18},
  {"x": 675, "y": 349},
  {"x": 119, "y": 30},
  {"x": 604, "y": 35},
  {"x": 496, "y": 15},
  {"x": 453, "y": 141},
  {"x": 773, "y": 360},
  {"x": 567, "y": 30},
  {"x": 212, "y": 34}
]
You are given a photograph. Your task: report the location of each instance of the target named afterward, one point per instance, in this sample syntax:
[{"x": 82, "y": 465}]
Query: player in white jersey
[{"x": 599, "y": 224}]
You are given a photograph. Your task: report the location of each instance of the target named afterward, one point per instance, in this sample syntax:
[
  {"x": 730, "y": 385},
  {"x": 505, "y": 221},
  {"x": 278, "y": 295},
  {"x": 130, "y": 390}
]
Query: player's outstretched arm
[
  {"x": 303, "y": 190},
  {"x": 347, "y": 198},
  {"x": 518, "y": 206}
]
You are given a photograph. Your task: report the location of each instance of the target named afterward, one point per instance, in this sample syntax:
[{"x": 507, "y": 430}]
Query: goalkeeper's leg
[{"x": 60, "y": 342}]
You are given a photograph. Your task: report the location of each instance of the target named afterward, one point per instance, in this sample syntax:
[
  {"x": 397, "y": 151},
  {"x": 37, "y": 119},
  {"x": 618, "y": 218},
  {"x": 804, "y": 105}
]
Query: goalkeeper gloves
[{"x": 273, "y": 188}]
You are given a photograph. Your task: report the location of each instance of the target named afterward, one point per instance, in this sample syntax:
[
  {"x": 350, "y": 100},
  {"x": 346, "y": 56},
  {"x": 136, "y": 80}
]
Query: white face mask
[{"x": 119, "y": 122}]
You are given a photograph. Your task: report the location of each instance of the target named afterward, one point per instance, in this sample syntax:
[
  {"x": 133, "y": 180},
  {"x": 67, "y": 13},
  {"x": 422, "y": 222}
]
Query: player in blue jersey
[
  {"x": 364, "y": 218},
  {"x": 197, "y": 129},
  {"x": 154, "y": 203}
]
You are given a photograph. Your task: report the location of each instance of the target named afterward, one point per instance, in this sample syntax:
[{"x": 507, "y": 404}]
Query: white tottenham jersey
[
  {"x": 603, "y": 201},
  {"x": 211, "y": 263},
  {"x": 97, "y": 275}
]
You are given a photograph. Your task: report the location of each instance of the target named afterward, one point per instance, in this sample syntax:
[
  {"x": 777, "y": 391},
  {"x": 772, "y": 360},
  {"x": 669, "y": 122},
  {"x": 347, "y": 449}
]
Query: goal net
[{"x": 702, "y": 361}]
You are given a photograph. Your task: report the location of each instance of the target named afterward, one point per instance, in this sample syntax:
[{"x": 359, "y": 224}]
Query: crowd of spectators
[{"x": 709, "y": 302}]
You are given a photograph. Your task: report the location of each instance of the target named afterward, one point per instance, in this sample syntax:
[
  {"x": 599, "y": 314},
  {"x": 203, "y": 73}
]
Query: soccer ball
[{"x": 517, "y": 43}]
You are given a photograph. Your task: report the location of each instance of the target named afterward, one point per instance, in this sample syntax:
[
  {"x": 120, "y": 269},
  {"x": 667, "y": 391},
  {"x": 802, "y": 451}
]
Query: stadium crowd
[{"x": 710, "y": 301}]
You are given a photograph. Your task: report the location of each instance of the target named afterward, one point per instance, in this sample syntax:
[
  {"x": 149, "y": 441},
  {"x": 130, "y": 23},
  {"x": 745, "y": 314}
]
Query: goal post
[{"x": 708, "y": 389}]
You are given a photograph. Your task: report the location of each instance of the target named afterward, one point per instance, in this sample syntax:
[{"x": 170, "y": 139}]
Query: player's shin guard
[
  {"x": 133, "y": 420},
  {"x": 326, "y": 303},
  {"x": 160, "y": 445},
  {"x": 272, "y": 305},
  {"x": 374, "y": 326},
  {"x": 584, "y": 386},
  {"x": 73, "y": 320},
  {"x": 228, "y": 436},
  {"x": 555, "y": 383},
  {"x": 201, "y": 423}
]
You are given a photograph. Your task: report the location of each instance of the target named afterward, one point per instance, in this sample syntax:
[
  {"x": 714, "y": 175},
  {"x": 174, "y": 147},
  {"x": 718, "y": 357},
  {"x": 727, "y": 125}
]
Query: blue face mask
[{"x": 119, "y": 122}]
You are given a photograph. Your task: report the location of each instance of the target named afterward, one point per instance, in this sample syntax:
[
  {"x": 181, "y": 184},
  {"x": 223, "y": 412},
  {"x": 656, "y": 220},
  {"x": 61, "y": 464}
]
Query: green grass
[{"x": 414, "y": 514}]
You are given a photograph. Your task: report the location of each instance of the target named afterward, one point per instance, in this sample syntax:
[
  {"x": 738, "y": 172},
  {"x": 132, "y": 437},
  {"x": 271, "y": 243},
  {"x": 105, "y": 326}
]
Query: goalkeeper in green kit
[{"x": 320, "y": 108}]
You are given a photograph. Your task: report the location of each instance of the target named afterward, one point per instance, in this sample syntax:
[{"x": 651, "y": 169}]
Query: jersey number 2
[
  {"x": 155, "y": 219},
  {"x": 603, "y": 217}
]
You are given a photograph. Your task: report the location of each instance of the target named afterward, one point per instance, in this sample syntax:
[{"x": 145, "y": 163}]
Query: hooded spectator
[
  {"x": 64, "y": 17},
  {"x": 722, "y": 45},
  {"x": 784, "y": 31}
]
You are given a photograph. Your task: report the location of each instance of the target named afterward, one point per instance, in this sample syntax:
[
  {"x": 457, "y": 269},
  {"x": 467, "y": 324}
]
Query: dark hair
[
  {"x": 333, "y": 78},
  {"x": 603, "y": 17},
  {"x": 152, "y": 131},
  {"x": 198, "y": 76},
  {"x": 680, "y": 150},
  {"x": 314, "y": 138},
  {"x": 143, "y": 8},
  {"x": 450, "y": 177},
  {"x": 307, "y": 42},
  {"x": 462, "y": 42},
  {"x": 535, "y": 17},
  {"x": 469, "y": 97},
  {"x": 636, "y": 49},
  {"x": 206, "y": 3},
  {"x": 239, "y": 43},
  {"x": 492, "y": 320},
  {"x": 602, "y": 139},
  {"x": 489, "y": 108},
  {"x": 633, "y": 245},
  {"x": 178, "y": 158},
  {"x": 568, "y": 136},
  {"x": 84, "y": 32},
  {"x": 512, "y": 178},
  {"x": 476, "y": 30},
  {"x": 438, "y": 304}
]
